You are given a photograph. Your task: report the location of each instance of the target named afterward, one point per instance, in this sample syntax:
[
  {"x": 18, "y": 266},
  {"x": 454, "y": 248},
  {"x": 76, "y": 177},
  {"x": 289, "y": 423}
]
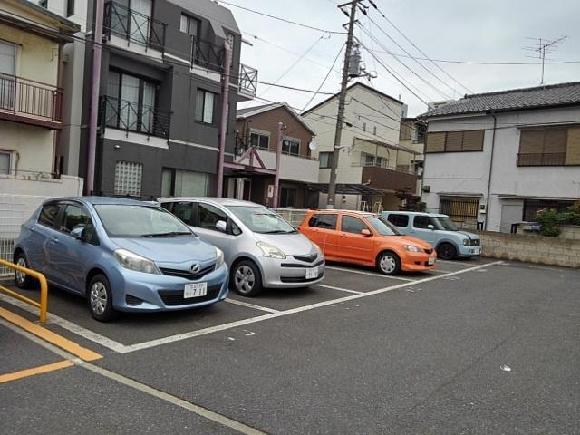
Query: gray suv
[{"x": 437, "y": 229}]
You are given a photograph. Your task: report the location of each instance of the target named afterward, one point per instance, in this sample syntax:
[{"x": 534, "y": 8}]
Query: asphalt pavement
[{"x": 478, "y": 347}]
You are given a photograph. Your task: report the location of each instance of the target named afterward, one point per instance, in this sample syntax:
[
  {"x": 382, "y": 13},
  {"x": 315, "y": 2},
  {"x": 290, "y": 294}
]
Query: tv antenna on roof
[{"x": 543, "y": 47}]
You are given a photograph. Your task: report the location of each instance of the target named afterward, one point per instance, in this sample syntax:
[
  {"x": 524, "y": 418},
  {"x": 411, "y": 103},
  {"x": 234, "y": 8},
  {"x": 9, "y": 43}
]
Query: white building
[
  {"x": 372, "y": 167},
  {"x": 497, "y": 158}
]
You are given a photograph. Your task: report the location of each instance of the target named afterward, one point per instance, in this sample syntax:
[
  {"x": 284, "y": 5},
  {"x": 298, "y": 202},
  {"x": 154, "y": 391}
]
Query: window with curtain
[
  {"x": 178, "y": 182},
  {"x": 204, "y": 108},
  {"x": 325, "y": 159},
  {"x": 549, "y": 146},
  {"x": 291, "y": 146},
  {"x": 7, "y": 72},
  {"x": 454, "y": 141},
  {"x": 189, "y": 25}
]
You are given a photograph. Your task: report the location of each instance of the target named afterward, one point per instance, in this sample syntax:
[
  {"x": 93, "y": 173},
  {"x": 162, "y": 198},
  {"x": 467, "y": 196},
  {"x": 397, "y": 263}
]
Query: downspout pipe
[{"x": 490, "y": 171}]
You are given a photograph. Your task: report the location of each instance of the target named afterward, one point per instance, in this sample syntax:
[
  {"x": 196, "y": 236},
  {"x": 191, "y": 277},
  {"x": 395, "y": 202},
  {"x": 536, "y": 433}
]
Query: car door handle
[{"x": 55, "y": 240}]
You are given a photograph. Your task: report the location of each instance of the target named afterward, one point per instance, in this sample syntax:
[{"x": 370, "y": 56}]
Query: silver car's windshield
[
  {"x": 137, "y": 221},
  {"x": 444, "y": 223},
  {"x": 261, "y": 220},
  {"x": 383, "y": 227}
]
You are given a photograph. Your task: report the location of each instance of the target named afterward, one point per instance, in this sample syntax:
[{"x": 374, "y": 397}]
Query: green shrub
[{"x": 551, "y": 219}]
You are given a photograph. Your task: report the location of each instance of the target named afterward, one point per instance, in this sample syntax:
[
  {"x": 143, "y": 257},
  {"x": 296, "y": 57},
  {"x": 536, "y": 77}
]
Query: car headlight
[
  {"x": 220, "y": 257},
  {"x": 412, "y": 248},
  {"x": 271, "y": 251},
  {"x": 465, "y": 242},
  {"x": 135, "y": 262}
]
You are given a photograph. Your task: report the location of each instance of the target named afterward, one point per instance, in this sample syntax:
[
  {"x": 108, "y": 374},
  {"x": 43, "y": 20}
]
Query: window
[
  {"x": 43, "y": 3},
  {"x": 7, "y": 79},
  {"x": 184, "y": 211},
  {"x": 48, "y": 214},
  {"x": 73, "y": 217},
  {"x": 131, "y": 20},
  {"x": 209, "y": 216},
  {"x": 4, "y": 163},
  {"x": 128, "y": 178},
  {"x": 291, "y": 146},
  {"x": 459, "y": 208},
  {"x": 422, "y": 222},
  {"x": 532, "y": 206},
  {"x": 260, "y": 139},
  {"x": 375, "y": 130},
  {"x": 326, "y": 221},
  {"x": 189, "y": 25},
  {"x": 131, "y": 103},
  {"x": 326, "y": 159},
  {"x": 177, "y": 182},
  {"x": 353, "y": 225},
  {"x": 399, "y": 220},
  {"x": 287, "y": 197},
  {"x": 205, "y": 106},
  {"x": 454, "y": 141},
  {"x": 70, "y": 8},
  {"x": 549, "y": 146},
  {"x": 364, "y": 126}
]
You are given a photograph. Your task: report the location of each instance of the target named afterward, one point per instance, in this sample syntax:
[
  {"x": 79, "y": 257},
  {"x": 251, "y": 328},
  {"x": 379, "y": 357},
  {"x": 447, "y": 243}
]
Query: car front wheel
[
  {"x": 389, "y": 263},
  {"x": 100, "y": 299},
  {"x": 22, "y": 280},
  {"x": 246, "y": 278},
  {"x": 446, "y": 251}
]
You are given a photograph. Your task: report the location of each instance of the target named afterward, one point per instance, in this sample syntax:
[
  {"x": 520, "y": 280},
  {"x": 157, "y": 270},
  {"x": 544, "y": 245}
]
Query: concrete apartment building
[
  {"x": 499, "y": 157},
  {"x": 32, "y": 117},
  {"x": 258, "y": 127},
  {"x": 161, "y": 97},
  {"x": 373, "y": 169}
]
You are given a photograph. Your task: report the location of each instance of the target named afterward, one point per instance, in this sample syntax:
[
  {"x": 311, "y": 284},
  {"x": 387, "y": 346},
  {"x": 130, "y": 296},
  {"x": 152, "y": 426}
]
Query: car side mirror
[
  {"x": 77, "y": 232},
  {"x": 222, "y": 226},
  {"x": 366, "y": 232},
  {"x": 431, "y": 227}
]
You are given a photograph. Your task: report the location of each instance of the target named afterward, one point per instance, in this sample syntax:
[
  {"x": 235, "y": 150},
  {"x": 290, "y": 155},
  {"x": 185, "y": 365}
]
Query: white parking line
[
  {"x": 360, "y": 272},
  {"x": 255, "y": 307},
  {"x": 339, "y": 289}
]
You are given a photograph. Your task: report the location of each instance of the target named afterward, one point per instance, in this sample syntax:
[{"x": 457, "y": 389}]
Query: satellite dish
[{"x": 312, "y": 146}]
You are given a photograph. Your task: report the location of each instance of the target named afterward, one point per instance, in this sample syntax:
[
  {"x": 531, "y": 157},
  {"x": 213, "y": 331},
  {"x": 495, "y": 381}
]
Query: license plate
[
  {"x": 476, "y": 251},
  {"x": 312, "y": 273},
  {"x": 195, "y": 290},
  {"x": 431, "y": 261}
]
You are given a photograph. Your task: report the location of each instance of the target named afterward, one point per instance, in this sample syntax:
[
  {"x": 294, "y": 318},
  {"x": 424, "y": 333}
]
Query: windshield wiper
[
  {"x": 279, "y": 232},
  {"x": 170, "y": 234}
]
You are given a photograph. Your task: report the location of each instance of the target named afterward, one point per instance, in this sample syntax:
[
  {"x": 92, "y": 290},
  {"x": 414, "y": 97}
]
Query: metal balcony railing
[
  {"x": 30, "y": 99},
  {"x": 133, "y": 26},
  {"x": 248, "y": 80},
  {"x": 133, "y": 117},
  {"x": 541, "y": 159},
  {"x": 206, "y": 54}
]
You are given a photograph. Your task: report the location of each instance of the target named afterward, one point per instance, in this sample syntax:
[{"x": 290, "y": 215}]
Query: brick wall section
[{"x": 552, "y": 251}]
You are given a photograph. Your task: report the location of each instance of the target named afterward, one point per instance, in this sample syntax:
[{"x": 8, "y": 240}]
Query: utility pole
[
  {"x": 95, "y": 88},
  {"x": 544, "y": 46},
  {"x": 279, "y": 140},
  {"x": 223, "y": 129},
  {"x": 331, "y": 199}
]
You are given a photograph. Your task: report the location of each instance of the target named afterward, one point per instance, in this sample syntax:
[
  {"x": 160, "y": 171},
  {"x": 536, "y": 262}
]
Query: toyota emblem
[{"x": 195, "y": 268}]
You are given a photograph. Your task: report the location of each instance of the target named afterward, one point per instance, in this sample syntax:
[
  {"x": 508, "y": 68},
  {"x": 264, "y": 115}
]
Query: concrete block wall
[{"x": 552, "y": 251}]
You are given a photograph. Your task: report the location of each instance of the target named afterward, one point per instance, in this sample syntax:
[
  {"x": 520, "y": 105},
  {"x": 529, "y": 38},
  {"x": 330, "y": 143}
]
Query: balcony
[
  {"x": 133, "y": 27},
  {"x": 298, "y": 168},
  {"x": 30, "y": 102},
  {"x": 248, "y": 81},
  {"x": 134, "y": 117},
  {"x": 207, "y": 55},
  {"x": 389, "y": 179}
]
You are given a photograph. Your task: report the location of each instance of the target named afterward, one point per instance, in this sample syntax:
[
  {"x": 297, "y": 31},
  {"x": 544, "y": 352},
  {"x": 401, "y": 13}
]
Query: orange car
[{"x": 367, "y": 240}]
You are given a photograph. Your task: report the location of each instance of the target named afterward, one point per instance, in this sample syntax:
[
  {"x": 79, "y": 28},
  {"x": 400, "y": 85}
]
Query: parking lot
[{"x": 478, "y": 346}]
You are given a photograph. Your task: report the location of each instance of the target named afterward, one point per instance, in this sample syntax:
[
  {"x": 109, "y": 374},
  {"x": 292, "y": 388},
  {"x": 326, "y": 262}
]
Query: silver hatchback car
[{"x": 261, "y": 248}]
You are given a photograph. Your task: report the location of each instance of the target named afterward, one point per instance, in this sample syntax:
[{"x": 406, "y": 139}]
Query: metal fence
[{"x": 14, "y": 211}]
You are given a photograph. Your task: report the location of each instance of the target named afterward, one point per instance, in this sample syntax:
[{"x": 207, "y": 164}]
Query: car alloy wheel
[
  {"x": 388, "y": 264},
  {"x": 20, "y": 277},
  {"x": 245, "y": 279},
  {"x": 98, "y": 298}
]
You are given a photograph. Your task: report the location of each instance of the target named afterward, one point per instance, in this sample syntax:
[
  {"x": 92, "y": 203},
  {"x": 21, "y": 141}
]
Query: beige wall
[{"x": 32, "y": 147}]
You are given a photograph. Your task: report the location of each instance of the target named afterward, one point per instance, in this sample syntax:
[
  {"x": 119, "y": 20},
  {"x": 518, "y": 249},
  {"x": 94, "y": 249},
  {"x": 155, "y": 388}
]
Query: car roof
[
  {"x": 414, "y": 213},
  {"x": 336, "y": 211},
  {"x": 104, "y": 200},
  {"x": 225, "y": 202}
]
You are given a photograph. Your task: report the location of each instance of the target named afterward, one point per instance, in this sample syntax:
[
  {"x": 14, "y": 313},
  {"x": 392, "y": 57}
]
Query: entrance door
[{"x": 510, "y": 214}]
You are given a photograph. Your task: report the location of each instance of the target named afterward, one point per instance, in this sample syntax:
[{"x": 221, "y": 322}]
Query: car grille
[
  {"x": 306, "y": 258},
  {"x": 320, "y": 263},
  {"x": 187, "y": 274},
  {"x": 428, "y": 251},
  {"x": 298, "y": 279},
  {"x": 474, "y": 242},
  {"x": 175, "y": 297}
]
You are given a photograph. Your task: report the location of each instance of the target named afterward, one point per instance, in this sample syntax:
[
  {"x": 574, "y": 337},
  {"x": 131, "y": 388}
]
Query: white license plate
[
  {"x": 195, "y": 290},
  {"x": 312, "y": 273},
  {"x": 476, "y": 251},
  {"x": 431, "y": 261}
]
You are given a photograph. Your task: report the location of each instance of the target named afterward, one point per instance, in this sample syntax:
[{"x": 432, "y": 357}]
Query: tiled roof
[
  {"x": 248, "y": 112},
  {"x": 560, "y": 94}
]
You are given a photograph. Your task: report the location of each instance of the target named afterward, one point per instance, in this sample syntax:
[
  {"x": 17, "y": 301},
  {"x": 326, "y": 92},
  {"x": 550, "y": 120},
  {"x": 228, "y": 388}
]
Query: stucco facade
[{"x": 467, "y": 174}]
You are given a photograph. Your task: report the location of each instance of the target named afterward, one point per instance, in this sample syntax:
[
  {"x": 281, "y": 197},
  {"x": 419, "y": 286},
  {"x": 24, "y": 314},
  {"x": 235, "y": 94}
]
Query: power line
[
  {"x": 284, "y": 20},
  {"x": 374, "y": 5},
  {"x": 324, "y": 80}
]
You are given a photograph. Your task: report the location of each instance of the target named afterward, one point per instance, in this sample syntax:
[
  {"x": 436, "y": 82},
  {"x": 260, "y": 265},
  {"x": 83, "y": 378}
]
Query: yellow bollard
[{"x": 43, "y": 288}]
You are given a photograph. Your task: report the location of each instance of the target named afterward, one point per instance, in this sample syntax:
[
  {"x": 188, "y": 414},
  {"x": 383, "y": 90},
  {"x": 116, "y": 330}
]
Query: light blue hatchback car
[
  {"x": 122, "y": 255},
  {"x": 438, "y": 230}
]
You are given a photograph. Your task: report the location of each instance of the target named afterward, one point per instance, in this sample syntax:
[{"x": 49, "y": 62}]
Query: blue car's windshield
[
  {"x": 261, "y": 220},
  {"x": 444, "y": 223},
  {"x": 137, "y": 221},
  {"x": 383, "y": 227}
]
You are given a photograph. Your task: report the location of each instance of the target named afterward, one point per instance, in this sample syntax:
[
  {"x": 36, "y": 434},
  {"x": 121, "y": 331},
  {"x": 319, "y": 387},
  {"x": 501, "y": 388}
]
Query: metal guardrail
[
  {"x": 207, "y": 54},
  {"x": 43, "y": 305},
  {"x": 248, "y": 80},
  {"x": 127, "y": 116},
  {"x": 29, "y": 98}
]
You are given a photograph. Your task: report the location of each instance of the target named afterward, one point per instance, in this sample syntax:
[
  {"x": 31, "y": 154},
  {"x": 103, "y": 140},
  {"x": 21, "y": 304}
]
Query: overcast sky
[{"x": 456, "y": 30}]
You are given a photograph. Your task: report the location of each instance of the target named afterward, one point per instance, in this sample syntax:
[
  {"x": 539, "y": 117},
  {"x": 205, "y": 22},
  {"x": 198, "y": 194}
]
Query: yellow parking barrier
[{"x": 43, "y": 305}]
